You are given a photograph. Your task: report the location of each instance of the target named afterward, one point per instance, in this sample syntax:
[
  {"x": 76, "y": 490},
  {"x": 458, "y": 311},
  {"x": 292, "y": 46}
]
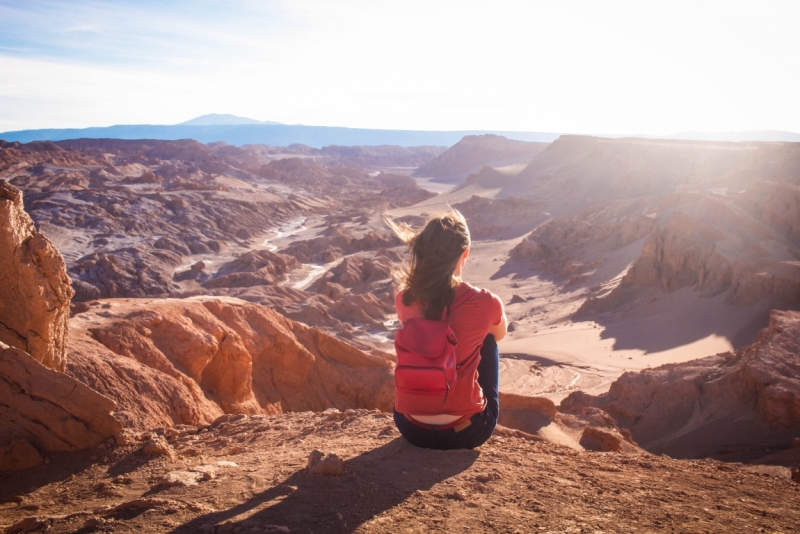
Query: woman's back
[{"x": 470, "y": 321}]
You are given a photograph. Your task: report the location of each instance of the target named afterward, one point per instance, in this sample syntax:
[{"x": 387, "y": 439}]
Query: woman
[{"x": 432, "y": 285}]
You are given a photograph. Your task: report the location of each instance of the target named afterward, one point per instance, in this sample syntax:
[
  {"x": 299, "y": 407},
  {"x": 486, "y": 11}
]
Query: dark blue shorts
[{"x": 481, "y": 424}]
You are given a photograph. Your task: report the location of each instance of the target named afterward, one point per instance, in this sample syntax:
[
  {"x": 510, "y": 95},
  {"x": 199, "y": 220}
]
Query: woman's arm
[{"x": 499, "y": 330}]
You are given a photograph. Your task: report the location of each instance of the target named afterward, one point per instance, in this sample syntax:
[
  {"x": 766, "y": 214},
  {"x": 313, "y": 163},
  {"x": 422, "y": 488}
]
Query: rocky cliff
[
  {"x": 744, "y": 404},
  {"x": 34, "y": 288}
]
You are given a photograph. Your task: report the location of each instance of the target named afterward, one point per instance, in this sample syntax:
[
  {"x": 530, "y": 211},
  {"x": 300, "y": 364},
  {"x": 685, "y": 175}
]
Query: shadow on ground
[{"x": 372, "y": 483}]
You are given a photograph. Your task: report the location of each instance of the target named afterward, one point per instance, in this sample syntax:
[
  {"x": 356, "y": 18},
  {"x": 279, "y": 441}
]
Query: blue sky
[{"x": 615, "y": 66}]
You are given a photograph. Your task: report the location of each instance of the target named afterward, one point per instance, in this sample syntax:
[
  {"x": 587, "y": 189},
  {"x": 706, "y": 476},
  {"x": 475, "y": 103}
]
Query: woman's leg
[{"x": 483, "y": 424}]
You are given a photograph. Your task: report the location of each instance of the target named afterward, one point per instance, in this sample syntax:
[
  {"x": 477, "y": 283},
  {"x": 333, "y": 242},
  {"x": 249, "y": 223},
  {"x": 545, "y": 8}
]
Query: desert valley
[{"x": 183, "y": 324}]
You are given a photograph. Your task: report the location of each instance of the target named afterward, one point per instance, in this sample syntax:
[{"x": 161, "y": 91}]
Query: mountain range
[
  {"x": 240, "y": 131},
  {"x": 243, "y": 131}
]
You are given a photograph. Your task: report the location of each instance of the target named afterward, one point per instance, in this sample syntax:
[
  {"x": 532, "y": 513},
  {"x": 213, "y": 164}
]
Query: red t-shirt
[{"x": 470, "y": 322}]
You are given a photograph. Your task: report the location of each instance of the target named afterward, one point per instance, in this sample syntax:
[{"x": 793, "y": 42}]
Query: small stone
[
  {"x": 795, "y": 443},
  {"x": 120, "y": 439},
  {"x": 330, "y": 465},
  {"x": 207, "y": 472},
  {"x": 207, "y": 529},
  {"x": 157, "y": 446},
  {"x": 488, "y": 477},
  {"x": 181, "y": 478}
]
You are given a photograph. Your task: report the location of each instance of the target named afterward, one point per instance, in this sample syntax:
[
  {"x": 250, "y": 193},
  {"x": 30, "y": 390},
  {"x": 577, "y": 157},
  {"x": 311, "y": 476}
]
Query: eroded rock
[
  {"x": 750, "y": 398},
  {"x": 199, "y": 358},
  {"x": 34, "y": 288},
  {"x": 51, "y": 410}
]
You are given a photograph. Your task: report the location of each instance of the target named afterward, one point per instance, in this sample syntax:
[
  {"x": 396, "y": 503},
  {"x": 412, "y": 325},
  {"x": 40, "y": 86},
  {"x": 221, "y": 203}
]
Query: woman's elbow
[{"x": 499, "y": 330}]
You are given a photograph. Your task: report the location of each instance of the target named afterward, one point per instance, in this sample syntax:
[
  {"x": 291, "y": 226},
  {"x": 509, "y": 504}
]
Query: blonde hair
[{"x": 429, "y": 278}]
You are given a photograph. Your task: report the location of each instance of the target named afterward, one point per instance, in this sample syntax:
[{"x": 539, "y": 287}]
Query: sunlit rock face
[
  {"x": 750, "y": 399},
  {"x": 35, "y": 291},
  {"x": 188, "y": 361}
]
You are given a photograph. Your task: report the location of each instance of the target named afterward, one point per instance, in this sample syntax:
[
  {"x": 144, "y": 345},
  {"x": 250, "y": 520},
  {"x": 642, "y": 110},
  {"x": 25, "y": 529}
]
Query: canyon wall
[{"x": 745, "y": 402}]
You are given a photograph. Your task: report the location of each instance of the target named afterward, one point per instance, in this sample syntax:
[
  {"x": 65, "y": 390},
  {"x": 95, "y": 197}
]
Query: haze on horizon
[{"x": 578, "y": 66}]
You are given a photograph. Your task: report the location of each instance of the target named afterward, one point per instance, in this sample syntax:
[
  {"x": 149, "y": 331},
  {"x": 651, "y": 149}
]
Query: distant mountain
[
  {"x": 222, "y": 119},
  {"x": 758, "y": 135},
  {"x": 470, "y": 154},
  {"x": 268, "y": 134}
]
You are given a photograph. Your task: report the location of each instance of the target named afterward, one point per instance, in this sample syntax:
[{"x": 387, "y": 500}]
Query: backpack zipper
[{"x": 446, "y": 383}]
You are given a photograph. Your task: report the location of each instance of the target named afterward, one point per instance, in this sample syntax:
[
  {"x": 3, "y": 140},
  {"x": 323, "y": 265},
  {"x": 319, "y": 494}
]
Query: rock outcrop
[
  {"x": 745, "y": 246},
  {"x": 35, "y": 291},
  {"x": 571, "y": 246},
  {"x": 731, "y": 403},
  {"x": 258, "y": 267},
  {"x": 473, "y": 151},
  {"x": 50, "y": 409},
  {"x": 187, "y": 361},
  {"x": 500, "y": 219}
]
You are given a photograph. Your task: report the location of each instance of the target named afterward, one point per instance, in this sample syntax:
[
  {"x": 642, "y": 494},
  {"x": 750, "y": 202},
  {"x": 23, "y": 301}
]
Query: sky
[{"x": 567, "y": 66}]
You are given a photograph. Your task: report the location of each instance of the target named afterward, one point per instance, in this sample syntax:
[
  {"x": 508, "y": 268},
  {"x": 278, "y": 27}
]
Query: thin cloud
[{"x": 580, "y": 66}]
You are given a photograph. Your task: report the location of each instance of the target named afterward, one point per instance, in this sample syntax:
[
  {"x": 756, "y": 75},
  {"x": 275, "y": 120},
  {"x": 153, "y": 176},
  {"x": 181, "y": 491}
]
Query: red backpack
[{"x": 426, "y": 355}]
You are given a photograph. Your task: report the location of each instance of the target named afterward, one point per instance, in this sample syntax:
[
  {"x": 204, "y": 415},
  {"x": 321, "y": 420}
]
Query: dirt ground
[{"x": 248, "y": 474}]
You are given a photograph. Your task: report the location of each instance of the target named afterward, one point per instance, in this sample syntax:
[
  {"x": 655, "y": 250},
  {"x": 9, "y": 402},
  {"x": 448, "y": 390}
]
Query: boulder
[
  {"x": 528, "y": 414},
  {"x": 600, "y": 439},
  {"x": 35, "y": 291},
  {"x": 19, "y": 455}
]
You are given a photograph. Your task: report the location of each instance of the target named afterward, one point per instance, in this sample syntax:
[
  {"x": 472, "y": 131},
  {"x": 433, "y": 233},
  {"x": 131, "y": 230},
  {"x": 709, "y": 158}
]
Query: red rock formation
[
  {"x": 34, "y": 288},
  {"x": 338, "y": 241},
  {"x": 201, "y": 357},
  {"x": 258, "y": 267},
  {"x": 745, "y": 401},
  {"x": 49, "y": 409}
]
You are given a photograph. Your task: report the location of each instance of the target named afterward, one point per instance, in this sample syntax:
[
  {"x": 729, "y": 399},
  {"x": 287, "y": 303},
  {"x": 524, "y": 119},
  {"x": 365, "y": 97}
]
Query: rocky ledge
[{"x": 251, "y": 474}]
